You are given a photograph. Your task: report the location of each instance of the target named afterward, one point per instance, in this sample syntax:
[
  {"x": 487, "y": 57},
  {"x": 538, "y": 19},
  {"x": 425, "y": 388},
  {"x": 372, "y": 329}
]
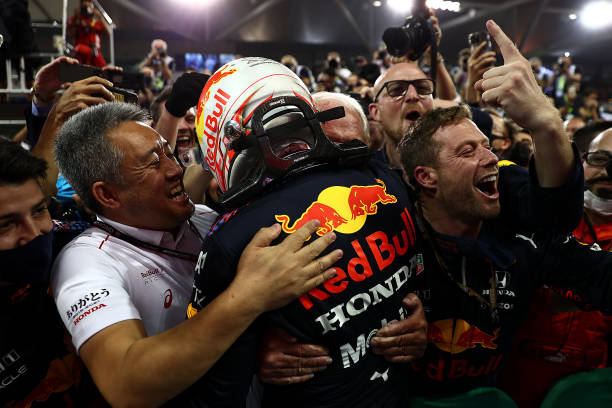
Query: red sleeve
[{"x": 98, "y": 26}]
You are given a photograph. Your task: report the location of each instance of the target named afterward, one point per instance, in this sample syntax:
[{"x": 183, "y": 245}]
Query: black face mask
[
  {"x": 86, "y": 11},
  {"x": 29, "y": 263}
]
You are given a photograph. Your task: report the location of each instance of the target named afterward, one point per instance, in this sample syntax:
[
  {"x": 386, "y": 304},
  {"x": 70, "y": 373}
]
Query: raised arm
[
  {"x": 79, "y": 95},
  {"x": 514, "y": 88},
  {"x": 185, "y": 94}
]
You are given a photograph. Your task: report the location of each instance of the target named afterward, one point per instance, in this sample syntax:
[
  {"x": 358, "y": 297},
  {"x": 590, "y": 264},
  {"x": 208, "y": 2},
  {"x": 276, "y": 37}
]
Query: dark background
[{"x": 309, "y": 29}]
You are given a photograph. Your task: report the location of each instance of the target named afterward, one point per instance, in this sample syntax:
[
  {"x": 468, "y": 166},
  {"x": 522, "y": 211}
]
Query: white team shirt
[{"x": 98, "y": 280}]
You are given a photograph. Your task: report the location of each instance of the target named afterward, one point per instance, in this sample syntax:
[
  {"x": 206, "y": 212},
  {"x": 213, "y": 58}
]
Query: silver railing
[{"x": 16, "y": 81}]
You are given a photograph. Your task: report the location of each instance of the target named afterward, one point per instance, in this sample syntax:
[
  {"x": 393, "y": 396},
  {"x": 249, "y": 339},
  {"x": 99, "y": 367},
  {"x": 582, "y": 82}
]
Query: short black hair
[{"x": 17, "y": 165}]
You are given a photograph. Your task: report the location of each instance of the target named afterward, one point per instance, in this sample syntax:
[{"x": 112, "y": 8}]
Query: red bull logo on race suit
[
  {"x": 462, "y": 337},
  {"x": 341, "y": 209}
]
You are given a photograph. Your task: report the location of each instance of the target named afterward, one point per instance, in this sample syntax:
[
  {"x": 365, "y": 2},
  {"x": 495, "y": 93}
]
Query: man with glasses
[
  {"x": 403, "y": 94},
  {"x": 557, "y": 338}
]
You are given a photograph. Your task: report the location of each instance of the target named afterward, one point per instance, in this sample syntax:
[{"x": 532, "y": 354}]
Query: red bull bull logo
[
  {"x": 364, "y": 199},
  {"x": 327, "y": 216},
  {"x": 341, "y": 209},
  {"x": 217, "y": 76},
  {"x": 456, "y": 336}
]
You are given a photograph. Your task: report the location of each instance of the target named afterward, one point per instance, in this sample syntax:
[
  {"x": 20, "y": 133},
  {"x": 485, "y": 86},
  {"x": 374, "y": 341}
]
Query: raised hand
[
  {"x": 47, "y": 80},
  {"x": 514, "y": 88}
]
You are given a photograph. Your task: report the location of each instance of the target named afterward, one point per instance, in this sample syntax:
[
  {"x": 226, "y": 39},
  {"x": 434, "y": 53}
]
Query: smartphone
[
  {"x": 76, "y": 72},
  {"x": 474, "y": 40}
]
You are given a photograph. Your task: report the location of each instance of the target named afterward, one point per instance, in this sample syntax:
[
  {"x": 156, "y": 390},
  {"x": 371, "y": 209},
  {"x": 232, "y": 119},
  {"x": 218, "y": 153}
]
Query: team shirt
[{"x": 99, "y": 280}]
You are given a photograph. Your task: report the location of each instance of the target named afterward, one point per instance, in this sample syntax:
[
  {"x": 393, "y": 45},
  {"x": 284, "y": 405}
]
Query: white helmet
[{"x": 256, "y": 123}]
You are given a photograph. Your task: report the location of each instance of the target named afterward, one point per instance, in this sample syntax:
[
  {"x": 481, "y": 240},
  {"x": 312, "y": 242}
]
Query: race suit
[
  {"x": 467, "y": 340},
  {"x": 356, "y": 377},
  {"x": 367, "y": 209}
]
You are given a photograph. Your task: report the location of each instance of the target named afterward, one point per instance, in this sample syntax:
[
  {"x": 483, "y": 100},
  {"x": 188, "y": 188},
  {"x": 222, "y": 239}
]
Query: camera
[
  {"x": 414, "y": 36},
  {"x": 162, "y": 54}
]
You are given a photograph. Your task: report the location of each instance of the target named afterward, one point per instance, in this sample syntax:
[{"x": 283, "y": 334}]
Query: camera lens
[
  {"x": 412, "y": 38},
  {"x": 398, "y": 43}
]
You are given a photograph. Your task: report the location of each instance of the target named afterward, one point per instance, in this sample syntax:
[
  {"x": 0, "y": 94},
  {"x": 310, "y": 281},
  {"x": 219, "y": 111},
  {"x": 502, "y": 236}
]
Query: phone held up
[
  {"x": 475, "y": 39},
  {"x": 76, "y": 72}
]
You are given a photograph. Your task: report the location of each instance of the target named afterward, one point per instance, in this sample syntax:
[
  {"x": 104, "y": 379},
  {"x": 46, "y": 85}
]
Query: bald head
[
  {"x": 604, "y": 139},
  {"x": 395, "y": 114},
  {"x": 596, "y": 177}
]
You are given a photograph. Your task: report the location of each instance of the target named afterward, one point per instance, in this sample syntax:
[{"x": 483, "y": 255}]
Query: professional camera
[{"x": 414, "y": 36}]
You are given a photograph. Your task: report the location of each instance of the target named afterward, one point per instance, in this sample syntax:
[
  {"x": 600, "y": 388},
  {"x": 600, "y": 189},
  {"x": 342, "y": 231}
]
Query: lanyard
[
  {"x": 151, "y": 247},
  {"x": 492, "y": 303},
  {"x": 589, "y": 224}
]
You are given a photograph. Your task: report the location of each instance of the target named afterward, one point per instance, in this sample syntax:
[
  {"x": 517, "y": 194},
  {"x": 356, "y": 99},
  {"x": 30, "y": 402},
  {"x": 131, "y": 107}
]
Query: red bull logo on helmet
[
  {"x": 341, "y": 209},
  {"x": 456, "y": 336}
]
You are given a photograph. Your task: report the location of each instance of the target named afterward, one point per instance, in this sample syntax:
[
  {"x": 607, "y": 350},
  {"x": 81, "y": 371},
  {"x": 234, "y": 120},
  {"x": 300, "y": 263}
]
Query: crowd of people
[{"x": 267, "y": 235}]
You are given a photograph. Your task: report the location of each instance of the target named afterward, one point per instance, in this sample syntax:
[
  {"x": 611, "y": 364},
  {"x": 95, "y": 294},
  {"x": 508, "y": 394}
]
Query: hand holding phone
[{"x": 475, "y": 39}]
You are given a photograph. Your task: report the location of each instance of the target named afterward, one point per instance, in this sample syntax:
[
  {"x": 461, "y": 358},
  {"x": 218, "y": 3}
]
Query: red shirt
[{"x": 88, "y": 30}]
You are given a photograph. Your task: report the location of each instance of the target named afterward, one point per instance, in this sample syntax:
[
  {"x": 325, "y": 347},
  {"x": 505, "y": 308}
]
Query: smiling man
[
  {"x": 185, "y": 127},
  {"x": 122, "y": 286},
  {"x": 481, "y": 273}
]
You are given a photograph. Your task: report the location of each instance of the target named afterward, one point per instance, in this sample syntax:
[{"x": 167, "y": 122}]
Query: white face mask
[{"x": 598, "y": 205}]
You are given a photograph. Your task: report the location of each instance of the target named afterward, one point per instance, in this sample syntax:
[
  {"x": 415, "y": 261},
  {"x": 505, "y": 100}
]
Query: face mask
[
  {"x": 520, "y": 154},
  {"x": 29, "y": 263},
  {"x": 597, "y": 204}
]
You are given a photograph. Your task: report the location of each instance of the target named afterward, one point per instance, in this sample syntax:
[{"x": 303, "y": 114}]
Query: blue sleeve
[
  {"x": 227, "y": 383},
  {"x": 528, "y": 207},
  {"x": 35, "y": 120}
]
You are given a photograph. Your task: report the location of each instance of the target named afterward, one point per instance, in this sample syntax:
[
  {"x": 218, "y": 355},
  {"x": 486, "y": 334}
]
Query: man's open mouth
[
  {"x": 183, "y": 141},
  {"x": 488, "y": 187},
  {"x": 177, "y": 193},
  {"x": 413, "y": 115}
]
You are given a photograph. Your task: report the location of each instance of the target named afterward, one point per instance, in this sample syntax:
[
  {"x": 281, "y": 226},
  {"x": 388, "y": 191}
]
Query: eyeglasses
[
  {"x": 397, "y": 89},
  {"x": 598, "y": 158}
]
